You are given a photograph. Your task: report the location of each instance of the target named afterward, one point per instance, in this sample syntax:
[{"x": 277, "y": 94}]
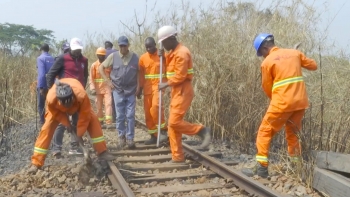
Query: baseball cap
[
  {"x": 76, "y": 43},
  {"x": 65, "y": 46},
  {"x": 123, "y": 40}
]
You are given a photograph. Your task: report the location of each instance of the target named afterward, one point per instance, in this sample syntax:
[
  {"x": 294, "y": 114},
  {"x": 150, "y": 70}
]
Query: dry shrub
[{"x": 227, "y": 81}]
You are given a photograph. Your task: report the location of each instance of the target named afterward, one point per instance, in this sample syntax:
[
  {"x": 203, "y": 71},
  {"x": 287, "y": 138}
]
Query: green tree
[{"x": 23, "y": 39}]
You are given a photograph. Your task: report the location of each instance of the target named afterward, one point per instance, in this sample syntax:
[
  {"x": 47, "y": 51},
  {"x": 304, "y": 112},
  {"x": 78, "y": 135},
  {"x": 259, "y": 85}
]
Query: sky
[{"x": 77, "y": 18}]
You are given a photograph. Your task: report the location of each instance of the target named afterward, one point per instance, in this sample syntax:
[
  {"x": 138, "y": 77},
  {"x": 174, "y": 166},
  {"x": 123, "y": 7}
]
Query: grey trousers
[{"x": 58, "y": 137}]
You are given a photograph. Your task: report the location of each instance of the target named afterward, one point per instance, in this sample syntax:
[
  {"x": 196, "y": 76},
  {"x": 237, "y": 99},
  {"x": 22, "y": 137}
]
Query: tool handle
[{"x": 160, "y": 95}]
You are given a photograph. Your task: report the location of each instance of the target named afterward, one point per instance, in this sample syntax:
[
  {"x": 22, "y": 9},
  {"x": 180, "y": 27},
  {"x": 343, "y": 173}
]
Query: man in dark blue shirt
[{"x": 43, "y": 63}]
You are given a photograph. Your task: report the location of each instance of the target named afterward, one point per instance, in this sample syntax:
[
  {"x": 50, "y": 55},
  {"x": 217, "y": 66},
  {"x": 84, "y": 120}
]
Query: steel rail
[
  {"x": 119, "y": 182},
  {"x": 238, "y": 178}
]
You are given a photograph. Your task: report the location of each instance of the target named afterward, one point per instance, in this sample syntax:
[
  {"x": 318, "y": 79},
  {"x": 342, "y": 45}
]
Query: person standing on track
[
  {"x": 44, "y": 62},
  {"x": 109, "y": 50},
  {"x": 69, "y": 65},
  {"x": 149, "y": 79},
  {"x": 283, "y": 83},
  {"x": 67, "y": 97},
  {"x": 101, "y": 89},
  {"x": 65, "y": 49},
  {"x": 179, "y": 72},
  {"x": 124, "y": 81}
]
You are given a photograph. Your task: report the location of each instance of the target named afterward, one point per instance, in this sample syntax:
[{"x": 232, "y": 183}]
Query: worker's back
[
  {"x": 282, "y": 74},
  {"x": 81, "y": 98}
]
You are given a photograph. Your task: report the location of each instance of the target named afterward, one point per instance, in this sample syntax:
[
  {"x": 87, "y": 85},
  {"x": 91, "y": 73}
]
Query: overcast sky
[{"x": 74, "y": 18}]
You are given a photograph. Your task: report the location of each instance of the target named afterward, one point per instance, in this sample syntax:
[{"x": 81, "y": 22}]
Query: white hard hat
[
  {"x": 76, "y": 43},
  {"x": 165, "y": 32}
]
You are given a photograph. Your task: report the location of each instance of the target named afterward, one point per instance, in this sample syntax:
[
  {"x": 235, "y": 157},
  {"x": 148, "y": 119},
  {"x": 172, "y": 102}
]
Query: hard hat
[
  {"x": 165, "y": 32},
  {"x": 258, "y": 40},
  {"x": 64, "y": 92},
  {"x": 101, "y": 51}
]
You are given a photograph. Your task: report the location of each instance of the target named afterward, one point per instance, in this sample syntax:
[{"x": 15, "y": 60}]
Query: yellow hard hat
[{"x": 101, "y": 51}]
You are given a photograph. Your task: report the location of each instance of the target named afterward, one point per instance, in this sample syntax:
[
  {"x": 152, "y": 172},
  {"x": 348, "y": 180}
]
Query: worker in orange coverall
[
  {"x": 149, "y": 79},
  {"x": 67, "y": 97},
  {"x": 101, "y": 89},
  {"x": 283, "y": 83},
  {"x": 179, "y": 72}
]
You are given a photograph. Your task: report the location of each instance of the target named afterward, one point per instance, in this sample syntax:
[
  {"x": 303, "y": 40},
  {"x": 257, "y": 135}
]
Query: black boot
[
  {"x": 258, "y": 169},
  {"x": 152, "y": 140},
  {"x": 205, "y": 134}
]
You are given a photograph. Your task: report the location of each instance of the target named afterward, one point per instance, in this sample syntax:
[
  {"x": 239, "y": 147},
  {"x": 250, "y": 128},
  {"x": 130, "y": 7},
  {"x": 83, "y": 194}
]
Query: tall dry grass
[{"x": 227, "y": 81}]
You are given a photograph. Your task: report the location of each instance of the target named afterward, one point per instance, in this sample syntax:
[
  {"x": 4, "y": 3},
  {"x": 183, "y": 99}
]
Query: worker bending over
[
  {"x": 179, "y": 72},
  {"x": 101, "y": 89},
  {"x": 67, "y": 97},
  {"x": 283, "y": 83},
  {"x": 149, "y": 79}
]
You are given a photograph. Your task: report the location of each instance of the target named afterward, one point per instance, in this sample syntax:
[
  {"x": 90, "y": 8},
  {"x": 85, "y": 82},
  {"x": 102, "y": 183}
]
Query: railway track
[{"x": 146, "y": 171}]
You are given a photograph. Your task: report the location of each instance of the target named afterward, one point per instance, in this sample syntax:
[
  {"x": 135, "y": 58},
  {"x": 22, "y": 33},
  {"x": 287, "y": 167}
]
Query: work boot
[
  {"x": 176, "y": 162},
  {"x": 122, "y": 141},
  {"x": 205, "y": 134},
  {"x": 76, "y": 151},
  {"x": 33, "y": 169},
  {"x": 153, "y": 139},
  {"x": 57, "y": 155},
  {"x": 106, "y": 156},
  {"x": 109, "y": 126},
  {"x": 130, "y": 144},
  {"x": 258, "y": 169}
]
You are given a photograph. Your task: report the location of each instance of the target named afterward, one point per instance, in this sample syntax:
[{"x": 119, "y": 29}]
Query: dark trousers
[{"x": 41, "y": 106}]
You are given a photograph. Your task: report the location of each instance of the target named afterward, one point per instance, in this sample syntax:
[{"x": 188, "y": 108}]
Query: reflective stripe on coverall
[
  {"x": 180, "y": 73},
  {"x": 103, "y": 92},
  {"x": 283, "y": 83},
  {"x": 149, "y": 80},
  {"x": 56, "y": 113}
]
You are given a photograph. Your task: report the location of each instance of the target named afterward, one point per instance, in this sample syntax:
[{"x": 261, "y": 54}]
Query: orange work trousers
[
  {"x": 151, "y": 107},
  {"x": 107, "y": 98},
  {"x": 273, "y": 123},
  {"x": 181, "y": 98},
  {"x": 44, "y": 139}
]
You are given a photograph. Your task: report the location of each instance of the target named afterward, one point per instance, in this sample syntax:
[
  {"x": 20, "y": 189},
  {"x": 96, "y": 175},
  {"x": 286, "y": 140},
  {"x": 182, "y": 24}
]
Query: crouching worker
[{"x": 67, "y": 97}]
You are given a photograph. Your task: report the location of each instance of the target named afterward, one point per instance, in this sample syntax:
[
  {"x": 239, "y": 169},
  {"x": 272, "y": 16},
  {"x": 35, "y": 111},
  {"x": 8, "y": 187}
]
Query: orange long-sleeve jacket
[
  {"x": 81, "y": 104},
  {"x": 179, "y": 65},
  {"x": 149, "y": 72},
  {"x": 97, "y": 83},
  {"x": 282, "y": 79}
]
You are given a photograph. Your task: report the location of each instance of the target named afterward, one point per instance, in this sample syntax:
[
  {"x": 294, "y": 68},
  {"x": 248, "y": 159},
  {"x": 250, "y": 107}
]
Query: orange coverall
[
  {"x": 180, "y": 73},
  {"x": 283, "y": 83},
  {"x": 56, "y": 113},
  {"x": 149, "y": 80},
  {"x": 103, "y": 92}
]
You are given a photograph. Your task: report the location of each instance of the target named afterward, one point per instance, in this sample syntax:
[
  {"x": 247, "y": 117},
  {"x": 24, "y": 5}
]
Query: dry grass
[{"x": 227, "y": 84}]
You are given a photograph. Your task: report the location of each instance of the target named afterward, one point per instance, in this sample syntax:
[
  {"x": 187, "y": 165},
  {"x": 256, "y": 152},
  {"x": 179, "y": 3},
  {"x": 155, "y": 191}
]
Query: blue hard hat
[{"x": 258, "y": 40}]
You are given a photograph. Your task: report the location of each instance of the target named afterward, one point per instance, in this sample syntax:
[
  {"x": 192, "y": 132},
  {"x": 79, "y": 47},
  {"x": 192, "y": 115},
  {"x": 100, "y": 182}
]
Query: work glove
[
  {"x": 161, "y": 52},
  {"x": 110, "y": 84},
  {"x": 71, "y": 129},
  {"x": 93, "y": 92},
  {"x": 139, "y": 93}
]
